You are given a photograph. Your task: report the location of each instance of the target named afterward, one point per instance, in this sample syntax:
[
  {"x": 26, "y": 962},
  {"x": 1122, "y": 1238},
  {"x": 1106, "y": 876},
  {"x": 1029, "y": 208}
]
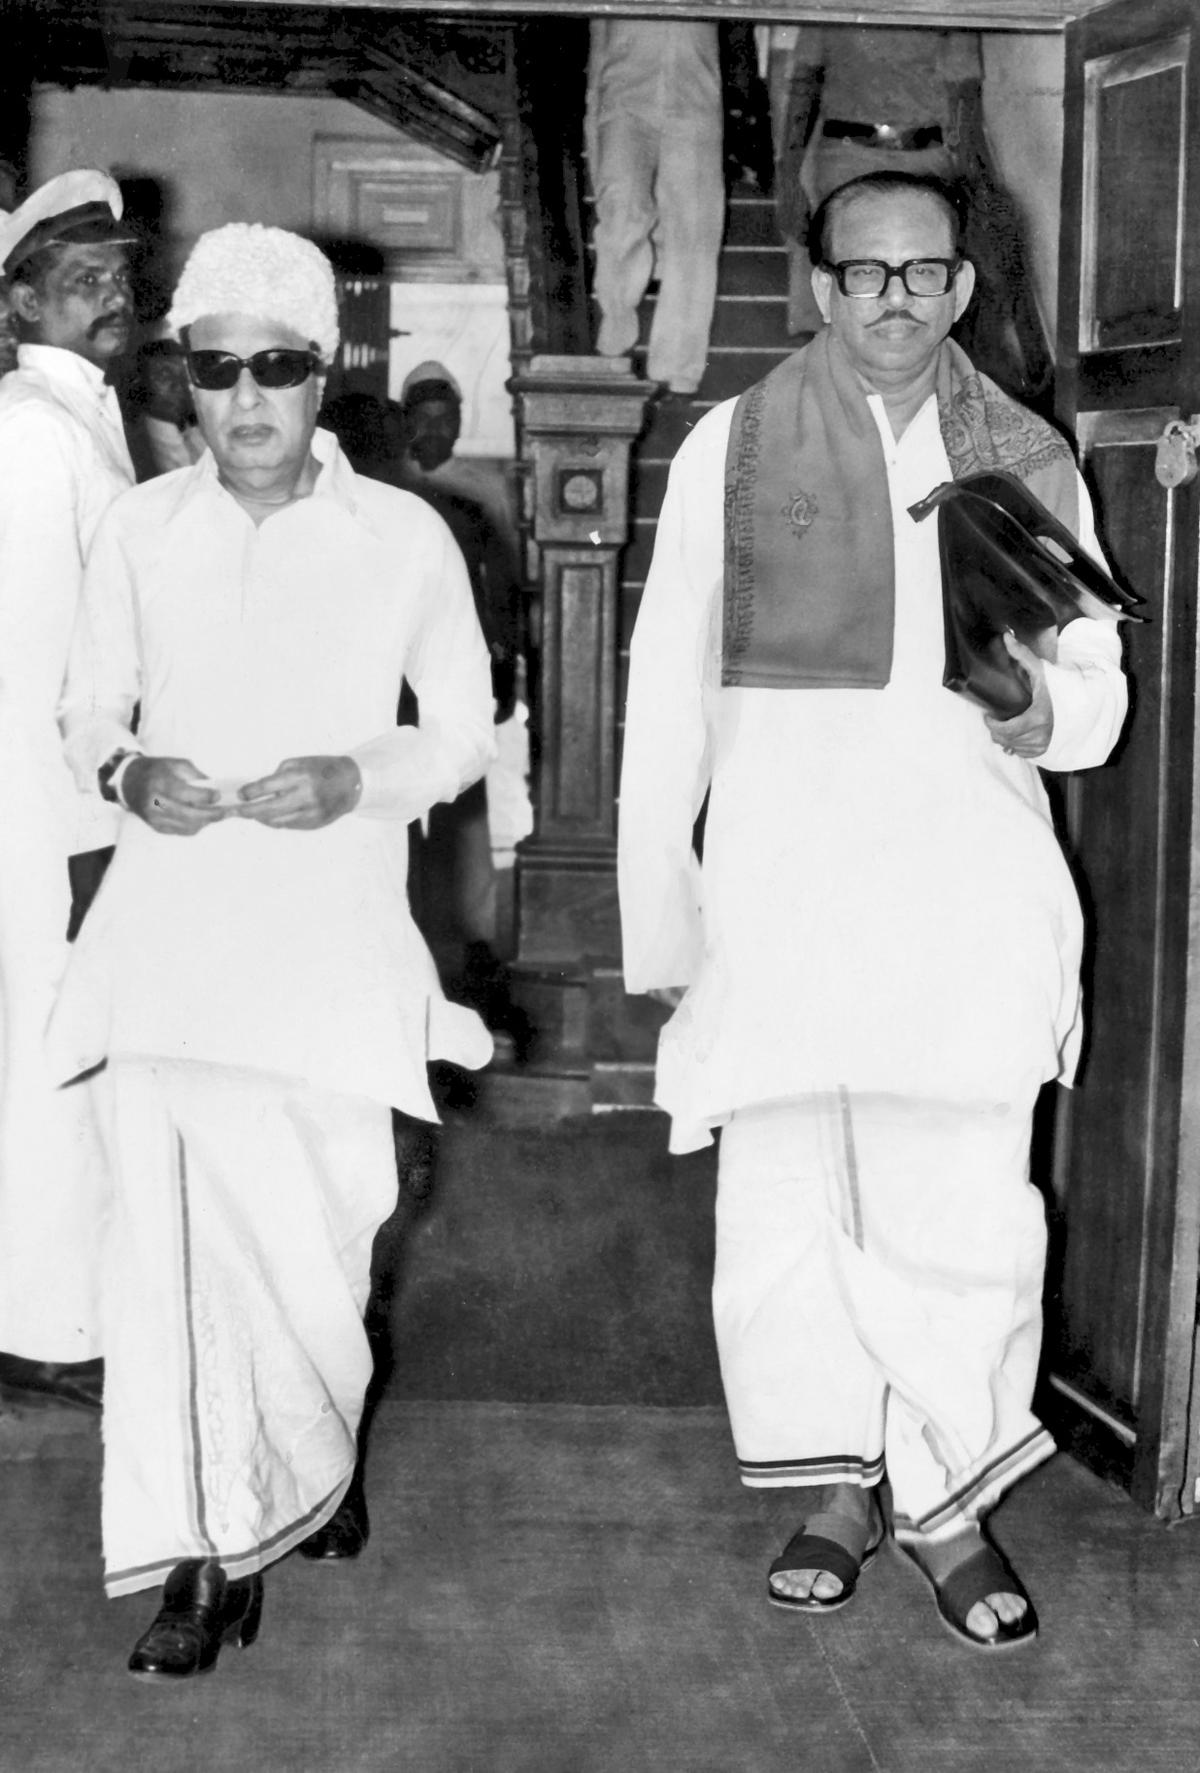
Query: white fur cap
[{"x": 246, "y": 268}]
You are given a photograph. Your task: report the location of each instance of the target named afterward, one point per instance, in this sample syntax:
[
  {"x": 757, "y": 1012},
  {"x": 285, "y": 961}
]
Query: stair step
[
  {"x": 730, "y": 373},
  {"x": 752, "y": 271},
  {"x": 667, "y": 428},
  {"x": 630, "y": 598},
  {"x": 638, "y": 550},
  {"x": 525, "y": 1096},
  {"x": 748, "y": 338},
  {"x": 752, "y": 224},
  {"x": 756, "y": 321},
  {"x": 647, "y": 486},
  {"x": 622, "y": 1030},
  {"x": 628, "y": 1084}
]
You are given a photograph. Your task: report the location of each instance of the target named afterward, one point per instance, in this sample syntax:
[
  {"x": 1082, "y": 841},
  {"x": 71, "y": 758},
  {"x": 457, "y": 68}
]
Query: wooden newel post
[{"x": 579, "y": 416}]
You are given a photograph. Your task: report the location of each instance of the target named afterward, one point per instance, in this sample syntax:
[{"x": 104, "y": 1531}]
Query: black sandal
[
  {"x": 812, "y": 1551},
  {"x": 985, "y": 1572}
]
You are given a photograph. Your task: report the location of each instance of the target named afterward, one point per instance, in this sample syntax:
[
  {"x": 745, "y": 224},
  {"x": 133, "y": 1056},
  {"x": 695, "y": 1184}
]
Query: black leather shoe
[
  {"x": 78, "y": 1383},
  {"x": 346, "y": 1531},
  {"x": 201, "y": 1610}
]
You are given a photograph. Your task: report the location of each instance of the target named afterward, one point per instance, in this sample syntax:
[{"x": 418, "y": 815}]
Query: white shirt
[
  {"x": 883, "y": 903},
  {"x": 170, "y": 445},
  {"x": 63, "y": 460},
  {"x": 291, "y": 952}
]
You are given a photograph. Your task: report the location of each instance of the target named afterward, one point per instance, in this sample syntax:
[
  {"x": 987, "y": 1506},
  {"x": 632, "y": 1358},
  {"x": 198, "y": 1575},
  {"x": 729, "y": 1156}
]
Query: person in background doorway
[
  {"x": 63, "y": 459},
  {"x": 162, "y": 428},
  {"x": 654, "y": 133},
  {"x": 850, "y": 99},
  {"x": 456, "y": 885}
]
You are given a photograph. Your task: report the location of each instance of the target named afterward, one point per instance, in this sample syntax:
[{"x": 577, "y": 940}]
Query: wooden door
[
  {"x": 361, "y": 366},
  {"x": 1122, "y": 1303}
]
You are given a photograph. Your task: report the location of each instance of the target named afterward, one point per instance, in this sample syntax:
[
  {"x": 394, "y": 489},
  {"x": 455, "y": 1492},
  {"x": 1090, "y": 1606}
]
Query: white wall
[
  {"x": 222, "y": 157},
  {"x": 229, "y": 157}
]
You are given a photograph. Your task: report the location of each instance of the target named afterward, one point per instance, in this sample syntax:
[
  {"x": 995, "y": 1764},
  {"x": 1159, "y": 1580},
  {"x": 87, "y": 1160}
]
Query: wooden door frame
[
  {"x": 1158, "y": 1458},
  {"x": 1004, "y": 15}
]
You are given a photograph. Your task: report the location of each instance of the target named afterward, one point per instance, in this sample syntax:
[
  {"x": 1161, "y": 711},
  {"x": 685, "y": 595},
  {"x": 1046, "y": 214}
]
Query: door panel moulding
[{"x": 996, "y": 15}]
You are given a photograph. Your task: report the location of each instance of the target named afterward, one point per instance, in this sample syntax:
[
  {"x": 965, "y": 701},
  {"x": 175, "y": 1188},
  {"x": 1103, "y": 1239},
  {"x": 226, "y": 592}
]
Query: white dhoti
[
  {"x": 236, "y": 1273},
  {"x": 877, "y": 1299}
]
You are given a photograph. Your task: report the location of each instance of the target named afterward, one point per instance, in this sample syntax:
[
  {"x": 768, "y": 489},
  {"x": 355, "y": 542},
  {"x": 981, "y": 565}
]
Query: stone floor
[{"x": 564, "y": 1575}]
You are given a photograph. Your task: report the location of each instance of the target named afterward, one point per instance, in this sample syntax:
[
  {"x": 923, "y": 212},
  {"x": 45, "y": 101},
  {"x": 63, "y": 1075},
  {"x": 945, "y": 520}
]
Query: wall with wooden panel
[{"x": 222, "y": 157}]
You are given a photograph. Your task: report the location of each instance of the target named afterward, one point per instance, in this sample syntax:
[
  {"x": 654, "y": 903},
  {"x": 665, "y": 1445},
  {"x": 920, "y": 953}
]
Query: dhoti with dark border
[
  {"x": 877, "y": 1299},
  {"x": 235, "y": 1277}
]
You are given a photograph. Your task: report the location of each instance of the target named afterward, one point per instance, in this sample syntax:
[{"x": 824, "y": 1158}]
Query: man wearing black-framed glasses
[
  {"x": 250, "y": 971},
  {"x": 878, "y": 966}
]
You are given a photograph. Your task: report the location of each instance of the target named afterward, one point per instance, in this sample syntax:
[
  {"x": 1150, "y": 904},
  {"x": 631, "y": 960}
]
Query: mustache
[
  {"x": 896, "y": 314},
  {"x": 104, "y": 320}
]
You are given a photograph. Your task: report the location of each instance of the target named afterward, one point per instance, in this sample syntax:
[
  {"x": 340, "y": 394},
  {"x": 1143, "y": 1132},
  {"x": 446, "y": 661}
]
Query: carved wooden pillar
[{"x": 579, "y": 416}]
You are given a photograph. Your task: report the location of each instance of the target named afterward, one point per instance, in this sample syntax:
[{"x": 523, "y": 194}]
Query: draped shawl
[{"x": 809, "y": 559}]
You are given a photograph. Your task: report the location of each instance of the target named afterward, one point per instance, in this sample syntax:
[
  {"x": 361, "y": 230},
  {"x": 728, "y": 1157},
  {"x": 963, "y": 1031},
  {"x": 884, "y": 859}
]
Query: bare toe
[
  {"x": 799, "y": 1584},
  {"x": 1010, "y": 1608}
]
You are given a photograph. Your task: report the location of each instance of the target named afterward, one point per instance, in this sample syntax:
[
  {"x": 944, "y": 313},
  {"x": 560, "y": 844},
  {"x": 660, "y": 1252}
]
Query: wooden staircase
[
  {"x": 748, "y": 338},
  {"x": 595, "y": 1046}
]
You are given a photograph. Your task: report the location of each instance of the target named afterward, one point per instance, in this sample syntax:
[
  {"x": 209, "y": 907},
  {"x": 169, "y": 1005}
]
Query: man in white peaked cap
[
  {"x": 64, "y": 253},
  {"x": 250, "y": 970}
]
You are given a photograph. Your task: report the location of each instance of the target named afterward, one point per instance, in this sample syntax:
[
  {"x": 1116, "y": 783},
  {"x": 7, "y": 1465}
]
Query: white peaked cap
[
  {"x": 74, "y": 207},
  {"x": 429, "y": 371}
]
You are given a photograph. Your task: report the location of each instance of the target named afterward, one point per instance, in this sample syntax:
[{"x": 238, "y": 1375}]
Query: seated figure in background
[
  {"x": 454, "y": 879},
  {"x": 161, "y": 419}
]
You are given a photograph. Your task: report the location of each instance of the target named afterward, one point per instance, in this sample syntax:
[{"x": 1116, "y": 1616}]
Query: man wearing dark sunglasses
[
  {"x": 881, "y": 960},
  {"x": 264, "y": 996},
  {"x": 64, "y": 253}
]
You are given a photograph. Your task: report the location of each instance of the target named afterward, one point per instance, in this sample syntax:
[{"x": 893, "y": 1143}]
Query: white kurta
[
  {"x": 290, "y": 952},
  {"x": 883, "y": 904},
  {"x": 260, "y": 995},
  {"x": 63, "y": 459}
]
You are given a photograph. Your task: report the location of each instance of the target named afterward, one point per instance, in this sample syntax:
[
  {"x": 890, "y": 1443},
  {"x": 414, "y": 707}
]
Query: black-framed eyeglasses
[
  {"x": 870, "y": 277},
  {"x": 280, "y": 367}
]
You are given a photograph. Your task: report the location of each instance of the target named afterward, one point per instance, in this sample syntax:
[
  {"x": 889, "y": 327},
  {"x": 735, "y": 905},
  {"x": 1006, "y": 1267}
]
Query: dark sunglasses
[{"x": 277, "y": 368}]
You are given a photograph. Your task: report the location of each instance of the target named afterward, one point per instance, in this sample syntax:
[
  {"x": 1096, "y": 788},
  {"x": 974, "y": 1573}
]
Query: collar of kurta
[
  {"x": 81, "y": 390},
  {"x": 72, "y": 373},
  {"x": 809, "y": 555}
]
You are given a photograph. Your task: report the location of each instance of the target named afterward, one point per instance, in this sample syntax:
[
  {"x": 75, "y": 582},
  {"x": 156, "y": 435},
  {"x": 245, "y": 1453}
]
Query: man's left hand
[
  {"x": 1027, "y": 734},
  {"x": 303, "y": 794}
]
